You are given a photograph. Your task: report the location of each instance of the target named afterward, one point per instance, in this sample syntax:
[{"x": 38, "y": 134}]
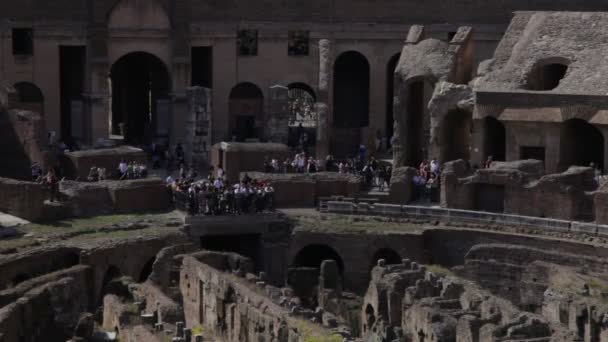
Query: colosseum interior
[{"x": 506, "y": 239}]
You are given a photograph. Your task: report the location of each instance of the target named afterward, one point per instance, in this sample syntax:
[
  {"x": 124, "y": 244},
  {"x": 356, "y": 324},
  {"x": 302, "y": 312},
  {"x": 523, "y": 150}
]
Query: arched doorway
[
  {"x": 29, "y": 97},
  {"x": 314, "y": 255},
  {"x": 494, "y": 139},
  {"x": 389, "y": 255},
  {"x": 140, "y": 97},
  {"x": 417, "y": 122},
  {"x": 112, "y": 272},
  {"x": 246, "y": 111},
  {"x": 456, "y": 136},
  {"x": 302, "y": 113},
  {"x": 390, "y": 95},
  {"x": 351, "y": 91},
  {"x": 146, "y": 270},
  {"x": 581, "y": 144}
]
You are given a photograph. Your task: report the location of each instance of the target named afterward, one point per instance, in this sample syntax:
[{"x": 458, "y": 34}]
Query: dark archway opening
[
  {"x": 248, "y": 245},
  {"x": 314, "y": 255},
  {"x": 494, "y": 139},
  {"x": 140, "y": 98},
  {"x": 389, "y": 255},
  {"x": 351, "y": 91},
  {"x": 370, "y": 318},
  {"x": 456, "y": 136},
  {"x": 581, "y": 144},
  {"x": 547, "y": 76},
  {"x": 146, "y": 270},
  {"x": 246, "y": 111},
  {"x": 417, "y": 122},
  {"x": 390, "y": 96},
  {"x": 29, "y": 97},
  {"x": 112, "y": 273},
  {"x": 350, "y": 102}
]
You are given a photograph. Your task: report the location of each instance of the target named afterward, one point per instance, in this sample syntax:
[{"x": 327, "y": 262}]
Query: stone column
[
  {"x": 97, "y": 103},
  {"x": 180, "y": 77},
  {"x": 399, "y": 113},
  {"x": 323, "y": 99},
  {"x": 277, "y": 122},
  {"x": 197, "y": 140}
]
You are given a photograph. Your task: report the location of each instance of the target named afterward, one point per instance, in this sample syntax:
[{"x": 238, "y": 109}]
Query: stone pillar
[
  {"x": 330, "y": 276},
  {"x": 179, "y": 327},
  {"x": 97, "y": 103},
  {"x": 198, "y": 138},
  {"x": 277, "y": 120},
  {"x": 399, "y": 113},
  {"x": 323, "y": 99},
  {"x": 180, "y": 76}
]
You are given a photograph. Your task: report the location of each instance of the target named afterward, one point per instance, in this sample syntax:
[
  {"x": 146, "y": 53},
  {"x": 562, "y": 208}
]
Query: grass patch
[
  {"x": 440, "y": 270},
  {"x": 313, "y": 333},
  {"x": 341, "y": 223},
  {"x": 89, "y": 228}
]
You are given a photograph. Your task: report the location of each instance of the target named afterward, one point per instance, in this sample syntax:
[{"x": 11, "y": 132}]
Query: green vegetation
[
  {"x": 313, "y": 333},
  {"x": 197, "y": 330},
  {"x": 83, "y": 229},
  {"x": 440, "y": 270},
  {"x": 341, "y": 223}
]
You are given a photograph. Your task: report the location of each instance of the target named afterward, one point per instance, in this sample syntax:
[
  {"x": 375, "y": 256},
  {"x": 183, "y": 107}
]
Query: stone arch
[
  {"x": 390, "y": 256},
  {"x": 29, "y": 97},
  {"x": 351, "y": 97},
  {"x": 369, "y": 319},
  {"x": 547, "y": 73},
  {"x": 141, "y": 84},
  {"x": 302, "y": 112},
  {"x": 146, "y": 270},
  {"x": 111, "y": 273},
  {"x": 138, "y": 14},
  {"x": 581, "y": 143},
  {"x": 390, "y": 95},
  {"x": 455, "y": 138},
  {"x": 313, "y": 255},
  {"x": 494, "y": 139},
  {"x": 246, "y": 111}
]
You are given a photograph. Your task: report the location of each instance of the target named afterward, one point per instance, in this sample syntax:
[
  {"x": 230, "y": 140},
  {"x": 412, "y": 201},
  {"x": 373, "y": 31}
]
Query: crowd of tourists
[
  {"x": 215, "y": 195},
  {"x": 426, "y": 181}
]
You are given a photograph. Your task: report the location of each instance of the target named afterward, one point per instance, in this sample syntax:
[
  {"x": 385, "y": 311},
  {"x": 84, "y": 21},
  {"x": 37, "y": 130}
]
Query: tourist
[
  {"x": 311, "y": 167},
  {"x": 488, "y": 162},
  {"x": 432, "y": 186},
  {"x": 51, "y": 182},
  {"x": 36, "y": 171},
  {"x": 155, "y": 153},
  {"x": 102, "y": 173},
  {"x": 434, "y": 167},
  {"x": 130, "y": 170},
  {"x": 93, "y": 174},
  {"x": 220, "y": 173},
  {"x": 169, "y": 180},
  {"x": 419, "y": 185},
  {"x": 275, "y": 165},
  {"x": 422, "y": 170},
  {"x": 269, "y": 195},
  {"x": 179, "y": 154},
  {"x": 218, "y": 183},
  {"x": 378, "y": 141},
  {"x": 122, "y": 169},
  {"x": 362, "y": 152}
]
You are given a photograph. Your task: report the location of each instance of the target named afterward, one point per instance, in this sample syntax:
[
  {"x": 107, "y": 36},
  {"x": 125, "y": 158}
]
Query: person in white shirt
[
  {"x": 435, "y": 167},
  {"x": 218, "y": 184},
  {"x": 220, "y": 173}
]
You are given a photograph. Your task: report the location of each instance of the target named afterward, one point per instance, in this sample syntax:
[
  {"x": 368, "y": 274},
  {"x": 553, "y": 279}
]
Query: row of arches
[
  {"x": 580, "y": 143},
  {"x": 313, "y": 255}
]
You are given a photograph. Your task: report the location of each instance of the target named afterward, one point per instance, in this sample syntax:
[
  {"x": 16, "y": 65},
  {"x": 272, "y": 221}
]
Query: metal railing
[{"x": 465, "y": 216}]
